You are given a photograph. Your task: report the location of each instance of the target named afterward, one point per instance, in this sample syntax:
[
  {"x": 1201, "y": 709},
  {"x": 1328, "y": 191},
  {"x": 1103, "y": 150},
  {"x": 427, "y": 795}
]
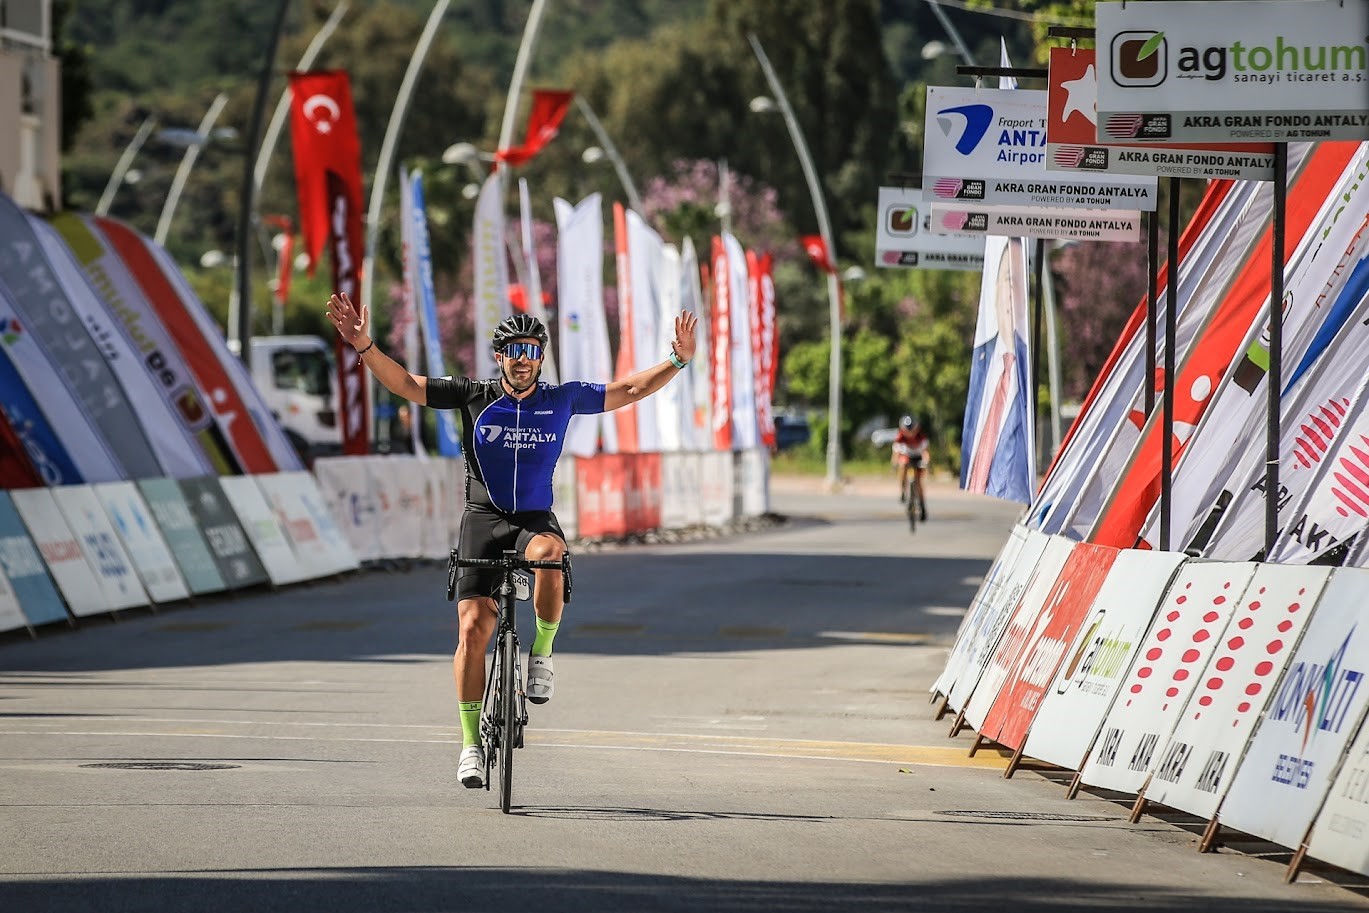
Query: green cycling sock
[
  {"x": 546, "y": 633},
  {"x": 470, "y": 723}
]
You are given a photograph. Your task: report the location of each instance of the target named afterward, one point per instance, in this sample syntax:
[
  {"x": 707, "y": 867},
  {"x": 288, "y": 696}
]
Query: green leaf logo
[{"x": 1151, "y": 46}]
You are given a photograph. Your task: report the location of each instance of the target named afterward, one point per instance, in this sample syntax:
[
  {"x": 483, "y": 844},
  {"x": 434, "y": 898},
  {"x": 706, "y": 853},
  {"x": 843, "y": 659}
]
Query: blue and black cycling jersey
[{"x": 512, "y": 445}]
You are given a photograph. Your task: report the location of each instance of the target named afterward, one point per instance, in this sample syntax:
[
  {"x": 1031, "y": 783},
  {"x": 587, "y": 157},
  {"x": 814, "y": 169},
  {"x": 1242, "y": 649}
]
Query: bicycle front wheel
[{"x": 508, "y": 683}]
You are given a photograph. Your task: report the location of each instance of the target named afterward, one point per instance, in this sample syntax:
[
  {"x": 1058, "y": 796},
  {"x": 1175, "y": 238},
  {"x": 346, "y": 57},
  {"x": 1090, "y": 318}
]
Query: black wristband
[{"x": 365, "y": 350}]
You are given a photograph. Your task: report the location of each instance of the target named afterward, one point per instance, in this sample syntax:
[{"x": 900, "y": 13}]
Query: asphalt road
[{"x": 741, "y": 724}]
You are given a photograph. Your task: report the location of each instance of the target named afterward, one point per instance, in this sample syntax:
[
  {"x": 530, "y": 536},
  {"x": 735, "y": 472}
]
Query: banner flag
[
  {"x": 535, "y": 305},
  {"x": 45, "y": 311},
  {"x": 1209, "y": 362},
  {"x": 626, "y": 364},
  {"x": 672, "y": 401},
  {"x": 408, "y": 305},
  {"x": 745, "y": 431},
  {"x": 644, "y": 252},
  {"x": 448, "y": 434},
  {"x": 199, "y": 341},
  {"x": 999, "y": 456},
  {"x": 17, "y": 470},
  {"x": 1313, "y": 711},
  {"x": 764, "y": 341},
  {"x": 65, "y": 446},
  {"x": 816, "y": 249},
  {"x": 583, "y": 335},
  {"x": 1218, "y": 257},
  {"x": 127, "y": 305},
  {"x": 173, "y": 442},
  {"x": 549, "y": 107},
  {"x": 720, "y": 357},
  {"x": 1313, "y": 281},
  {"x": 323, "y": 135},
  {"x": 491, "y": 272},
  {"x": 700, "y": 390}
]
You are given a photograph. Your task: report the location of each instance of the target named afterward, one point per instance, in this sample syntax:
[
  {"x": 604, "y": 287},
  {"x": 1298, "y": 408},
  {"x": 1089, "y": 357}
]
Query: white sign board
[
  {"x": 905, "y": 238},
  {"x": 1033, "y": 222},
  {"x": 1316, "y": 707},
  {"x": 346, "y": 486},
  {"x": 989, "y": 146},
  {"x": 318, "y": 542},
  {"x": 263, "y": 529},
  {"x": 62, "y": 553},
  {"x": 1097, "y": 662},
  {"x": 1195, "y": 766},
  {"x": 104, "y": 552},
  {"x": 1241, "y": 70},
  {"x": 990, "y": 585},
  {"x": 11, "y": 616},
  {"x": 133, "y": 521},
  {"x": 1187, "y": 628}
]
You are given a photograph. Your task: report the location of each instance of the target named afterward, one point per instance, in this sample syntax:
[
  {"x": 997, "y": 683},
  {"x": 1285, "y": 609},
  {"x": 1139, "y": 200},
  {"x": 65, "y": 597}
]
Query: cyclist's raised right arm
[{"x": 392, "y": 376}]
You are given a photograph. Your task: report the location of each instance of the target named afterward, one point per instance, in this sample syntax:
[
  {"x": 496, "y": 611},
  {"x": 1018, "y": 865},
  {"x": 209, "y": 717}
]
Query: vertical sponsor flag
[
  {"x": 816, "y": 249},
  {"x": 672, "y": 406},
  {"x": 17, "y": 469},
  {"x": 720, "y": 357},
  {"x": 764, "y": 341},
  {"x": 408, "y": 303},
  {"x": 491, "y": 271},
  {"x": 549, "y": 108},
  {"x": 626, "y": 417},
  {"x": 745, "y": 432},
  {"x": 583, "y": 327},
  {"x": 998, "y": 456},
  {"x": 448, "y": 435},
  {"x": 328, "y": 178},
  {"x": 535, "y": 305},
  {"x": 644, "y": 253},
  {"x": 129, "y": 307},
  {"x": 691, "y": 299}
]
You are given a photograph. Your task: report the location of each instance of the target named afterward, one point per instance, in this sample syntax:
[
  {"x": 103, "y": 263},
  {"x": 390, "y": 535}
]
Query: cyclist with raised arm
[
  {"x": 910, "y": 452},
  {"x": 513, "y": 428}
]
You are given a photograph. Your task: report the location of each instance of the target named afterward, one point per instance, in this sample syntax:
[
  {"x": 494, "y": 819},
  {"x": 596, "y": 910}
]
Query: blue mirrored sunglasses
[{"x": 529, "y": 350}]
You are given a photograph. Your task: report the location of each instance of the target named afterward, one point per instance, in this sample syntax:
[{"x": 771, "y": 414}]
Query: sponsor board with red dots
[
  {"x": 1238, "y": 680},
  {"x": 1184, "y": 633}
]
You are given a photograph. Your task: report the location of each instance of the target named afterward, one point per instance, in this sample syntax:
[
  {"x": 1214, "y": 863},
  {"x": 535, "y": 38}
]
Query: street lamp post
[
  {"x": 606, "y": 145},
  {"x": 116, "y": 177},
  {"x": 192, "y": 151},
  {"x": 833, "y": 289}
]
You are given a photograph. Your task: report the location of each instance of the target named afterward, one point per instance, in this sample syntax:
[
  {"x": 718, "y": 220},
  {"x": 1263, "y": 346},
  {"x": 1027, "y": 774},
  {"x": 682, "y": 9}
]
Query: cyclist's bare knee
[{"x": 545, "y": 547}]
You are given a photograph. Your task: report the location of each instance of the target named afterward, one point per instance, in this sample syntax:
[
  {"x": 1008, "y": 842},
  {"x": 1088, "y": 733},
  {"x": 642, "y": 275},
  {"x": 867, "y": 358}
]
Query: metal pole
[
  {"x": 520, "y": 69},
  {"x": 1171, "y": 312},
  {"x": 1052, "y": 359},
  {"x": 1152, "y": 289},
  {"x": 951, "y": 30},
  {"x": 725, "y": 195},
  {"x": 633, "y": 200},
  {"x": 1271, "y": 448},
  {"x": 1038, "y": 304},
  {"x": 116, "y": 177},
  {"x": 183, "y": 172},
  {"x": 268, "y": 145},
  {"x": 247, "y": 205},
  {"x": 833, "y": 291}
]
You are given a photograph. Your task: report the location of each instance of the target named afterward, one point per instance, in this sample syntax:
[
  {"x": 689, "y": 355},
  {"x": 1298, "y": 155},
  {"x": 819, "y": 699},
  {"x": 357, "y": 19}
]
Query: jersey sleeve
[
  {"x": 585, "y": 399},
  {"x": 449, "y": 392}
]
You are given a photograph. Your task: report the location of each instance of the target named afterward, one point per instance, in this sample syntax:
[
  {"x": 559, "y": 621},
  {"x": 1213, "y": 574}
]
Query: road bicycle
[
  {"x": 504, "y": 715},
  {"x": 911, "y": 495}
]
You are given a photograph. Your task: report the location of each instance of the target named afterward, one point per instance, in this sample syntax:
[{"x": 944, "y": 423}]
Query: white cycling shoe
[
  {"x": 471, "y": 768},
  {"x": 541, "y": 679}
]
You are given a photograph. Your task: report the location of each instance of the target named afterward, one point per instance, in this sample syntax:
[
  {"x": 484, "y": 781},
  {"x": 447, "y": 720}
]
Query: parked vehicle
[
  {"x": 295, "y": 376},
  {"x": 791, "y": 430}
]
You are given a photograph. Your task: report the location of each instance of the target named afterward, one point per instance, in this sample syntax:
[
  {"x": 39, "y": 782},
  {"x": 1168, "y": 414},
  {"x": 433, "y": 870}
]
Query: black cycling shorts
[{"x": 487, "y": 533}]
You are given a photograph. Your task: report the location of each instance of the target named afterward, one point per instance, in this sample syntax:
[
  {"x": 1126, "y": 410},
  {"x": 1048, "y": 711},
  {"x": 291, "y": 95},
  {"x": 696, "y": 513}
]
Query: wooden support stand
[
  {"x": 944, "y": 707},
  {"x": 958, "y": 725},
  {"x": 1209, "y": 835},
  {"x": 1138, "y": 808},
  {"x": 1295, "y": 864},
  {"x": 1074, "y": 786},
  {"x": 978, "y": 740},
  {"x": 1014, "y": 761}
]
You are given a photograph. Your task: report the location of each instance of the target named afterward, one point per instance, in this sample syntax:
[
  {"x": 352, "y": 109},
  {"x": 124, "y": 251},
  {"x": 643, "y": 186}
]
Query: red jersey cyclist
[{"x": 910, "y": 451}]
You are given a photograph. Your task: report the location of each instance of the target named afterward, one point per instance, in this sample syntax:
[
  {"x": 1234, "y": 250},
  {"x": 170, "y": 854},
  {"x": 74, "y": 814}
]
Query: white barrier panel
[
  {"x": 983, "y": 636},
  {"x": 1186, "y": 631},
  {"x": 66, "y": 562},
  {"x": 398, "y": 484},
  {"x": 715, "y": 474},
  {"x": 138, "y": 531},
  {"x": 437, "y": 538},
  {"x": 263, "y": 530},
  {"x": 319, "y": 545},
  {"x": 755, "y": 480},
  {"x": 11, "y": 616},
  {"x": 104, "y": 553},
  {"x": 1021, "y": 619},
  {"x": 1317, "y": 706},
  {"x": 1059, "y": 622},
  {"x": 564, "y": 497},
  {"x": 176, "y": 523},
  {"x": 24, "y": 568},
  {"x": 1078, "y": 699},
  {"x": 988, "y": 588},
  {"x": 1193, "y": 769},
  {"x": 676, "y": 497},
  {"x": 1340, "y": 833},
  {"x": 346, "y": 487}
]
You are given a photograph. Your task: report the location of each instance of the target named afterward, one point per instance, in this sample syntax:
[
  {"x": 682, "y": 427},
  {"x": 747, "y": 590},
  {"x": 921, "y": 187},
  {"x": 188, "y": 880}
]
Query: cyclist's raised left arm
[{"x": 629, "y": 390}]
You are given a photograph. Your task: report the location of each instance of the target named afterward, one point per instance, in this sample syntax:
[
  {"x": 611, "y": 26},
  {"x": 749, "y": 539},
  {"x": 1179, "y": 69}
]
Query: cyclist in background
[
  {"x": 513, "y": 428},
  {"x": 910, "y": 452}
]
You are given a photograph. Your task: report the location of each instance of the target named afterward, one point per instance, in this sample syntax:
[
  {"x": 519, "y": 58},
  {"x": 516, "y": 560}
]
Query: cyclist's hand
[
  {"x": 350, "y": 323},
  {"x": 683, "y": 343}
]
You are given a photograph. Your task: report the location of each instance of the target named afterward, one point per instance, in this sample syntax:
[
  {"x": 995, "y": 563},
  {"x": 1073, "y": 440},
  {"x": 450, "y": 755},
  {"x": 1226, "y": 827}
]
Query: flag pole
[{"x": 1275, "y": 377}]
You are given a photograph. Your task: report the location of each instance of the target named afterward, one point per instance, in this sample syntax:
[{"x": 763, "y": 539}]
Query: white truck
[{"x": 295, "y": 376}]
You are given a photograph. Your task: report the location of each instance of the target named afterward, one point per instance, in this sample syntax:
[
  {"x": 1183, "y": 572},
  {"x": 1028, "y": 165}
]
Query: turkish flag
[
  {"x": 323, "y": 133},
  {"x": 549, "y": 108},
  {"x": 816, "y": 249}
]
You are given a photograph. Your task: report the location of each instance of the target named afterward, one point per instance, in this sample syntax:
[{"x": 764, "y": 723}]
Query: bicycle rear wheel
[
  {"x": 509, "y": 712},
  {"x": 909, "y": 501}
]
